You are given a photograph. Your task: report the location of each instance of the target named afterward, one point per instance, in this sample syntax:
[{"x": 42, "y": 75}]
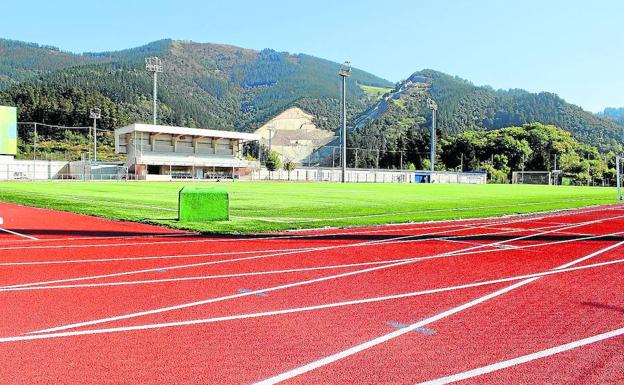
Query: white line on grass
[
  {"x": 294, "y": 284},
  {"x": 306, "y": 308},
  {"x": 91, "y": 198},
  {"x": 450, "y": 209},
  {"x": 387, "y": 337},
  {"x": 524, "y": 359}
]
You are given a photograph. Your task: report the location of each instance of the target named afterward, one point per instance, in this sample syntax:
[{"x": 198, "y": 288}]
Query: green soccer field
[{"x": 271, "y": 206}]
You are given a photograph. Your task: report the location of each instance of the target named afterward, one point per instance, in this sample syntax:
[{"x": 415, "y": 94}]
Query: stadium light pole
[
  {"x": 433, "y": 106},
  {"x": 95, "y": 114},
  {"x": 154, "y": 64},
  {"x": 344, "y": 73}
]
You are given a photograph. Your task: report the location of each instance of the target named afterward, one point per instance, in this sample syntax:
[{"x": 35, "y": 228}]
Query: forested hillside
[
  {"x": 20, "y": 61},
  {"x": 615, "y": 114},
  {"x": 204, "y": 85},
  {"x": 532, "y": 147},
  {"x": 226, "y": 87},
  {"x": 404, "y": 118}
]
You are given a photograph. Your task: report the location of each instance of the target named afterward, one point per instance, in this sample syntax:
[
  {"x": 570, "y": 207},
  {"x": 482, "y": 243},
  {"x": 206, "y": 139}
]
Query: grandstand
[{"x": 156, "y": 152}]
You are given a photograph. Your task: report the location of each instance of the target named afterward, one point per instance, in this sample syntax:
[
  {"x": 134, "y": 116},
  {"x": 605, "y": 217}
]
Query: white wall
[{"x": 28, "y": 169}]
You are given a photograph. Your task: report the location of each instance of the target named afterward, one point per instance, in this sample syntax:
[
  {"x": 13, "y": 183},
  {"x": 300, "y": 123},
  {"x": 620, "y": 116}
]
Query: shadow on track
[{"x": 604, "y": 306}]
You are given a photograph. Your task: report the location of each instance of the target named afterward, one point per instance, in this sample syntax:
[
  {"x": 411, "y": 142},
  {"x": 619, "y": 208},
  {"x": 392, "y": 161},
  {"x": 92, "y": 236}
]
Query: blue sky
[{"x": 574, "y": 48}]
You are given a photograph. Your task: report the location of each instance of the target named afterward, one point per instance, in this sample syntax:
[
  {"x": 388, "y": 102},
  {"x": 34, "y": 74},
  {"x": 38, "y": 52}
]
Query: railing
[{"x": 334, "y": 175}]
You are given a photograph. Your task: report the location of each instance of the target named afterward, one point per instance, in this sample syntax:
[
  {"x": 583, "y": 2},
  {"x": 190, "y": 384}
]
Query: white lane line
[
  {"x": 155, "y": 269},
  {"x": 395, "y": 228},
  {"x": 285, "y": 271},
  {"x": 454, "y": 228},
  {"x": 151, "y": 235},
  {"x": 455, "y": 238},
  {"x": 303, "y": 309},
  {"x": 290, "y": 285},
  {"x": 219, "y": 299},
  {"x": 405, "y": 238},
  {"x": 387, "y": 337},
  {"x": 524, "y": 359},
  {"x": 233, "y": 239},
  {"x": 156, "y": 257},
  {"x": 18, "y": 234},
  {"x": 486, "y": 222}
]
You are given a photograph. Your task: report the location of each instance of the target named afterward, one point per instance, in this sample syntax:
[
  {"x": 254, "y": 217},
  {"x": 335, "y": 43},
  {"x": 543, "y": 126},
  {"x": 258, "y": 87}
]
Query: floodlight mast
[
  {"x": 433, "y": 106},
  {"x": 344, "y": 73},
  {"x": 154, "y": 64},
  {"x": 95, "y": 114}
]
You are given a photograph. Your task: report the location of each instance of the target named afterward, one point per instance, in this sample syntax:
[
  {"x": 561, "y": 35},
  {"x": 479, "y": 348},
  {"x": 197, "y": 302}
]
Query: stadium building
[{"x": 157, "y": 152}]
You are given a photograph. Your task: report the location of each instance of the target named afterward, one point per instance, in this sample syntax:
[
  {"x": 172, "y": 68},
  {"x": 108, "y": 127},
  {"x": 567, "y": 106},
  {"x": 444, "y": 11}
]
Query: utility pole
[
  {"x": 618, "y": 171},
  {"x": 35, "y": 153},
  {"x": 588, "y": 170},
  {"x": 271, "y": 130},
  {"x": 555, "y": 171},
  {"x": 555, "y": 162},
  {"x": 344, "y": 73},
  {"x": 154, "y": 64},
  {"x": 95, "y": 114},
  {"x": 523, "y": 168},
  {"x": 433, "y": 106}
]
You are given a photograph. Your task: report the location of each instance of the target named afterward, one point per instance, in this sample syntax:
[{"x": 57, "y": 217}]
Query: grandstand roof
[{"x": 186, "y": 131}]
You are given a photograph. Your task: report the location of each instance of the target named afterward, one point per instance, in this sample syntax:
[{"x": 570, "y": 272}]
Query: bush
[
  {"x": 290, "y": 166},
  {"x": 273, "y": 161}
]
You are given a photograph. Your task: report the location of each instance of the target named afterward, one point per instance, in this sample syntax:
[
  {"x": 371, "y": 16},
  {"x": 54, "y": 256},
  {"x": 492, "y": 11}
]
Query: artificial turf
[{"x": 274, "y": 206}]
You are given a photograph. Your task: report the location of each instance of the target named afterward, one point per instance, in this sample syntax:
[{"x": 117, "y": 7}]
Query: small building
[
  {"x": 157, "y": 152},
  {"x": 293, "y": 135}
]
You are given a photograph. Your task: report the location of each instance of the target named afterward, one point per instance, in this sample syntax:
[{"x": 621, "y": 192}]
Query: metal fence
[{"x": 309, "y": 174}]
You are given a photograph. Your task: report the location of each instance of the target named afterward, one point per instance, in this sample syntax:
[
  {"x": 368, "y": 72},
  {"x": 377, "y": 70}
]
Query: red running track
[{"x": 517, "y": 300}]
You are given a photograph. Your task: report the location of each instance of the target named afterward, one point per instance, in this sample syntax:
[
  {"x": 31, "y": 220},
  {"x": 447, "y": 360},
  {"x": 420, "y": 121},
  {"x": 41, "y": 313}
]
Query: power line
[{"x": 63, "y": 127}]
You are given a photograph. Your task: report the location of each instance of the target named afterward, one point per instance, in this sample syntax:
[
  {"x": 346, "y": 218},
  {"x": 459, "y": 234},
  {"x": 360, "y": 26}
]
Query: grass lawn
[
  {"x": 270, "y": 206},
  {"x": 373, "y": 92}
]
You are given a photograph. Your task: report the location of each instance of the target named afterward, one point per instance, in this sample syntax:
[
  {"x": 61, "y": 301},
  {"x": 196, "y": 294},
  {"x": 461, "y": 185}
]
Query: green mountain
[
  {"x": 615, "y": 114},
  {"x": 204, "y": 85},
  {"x": 401, "y": 119},
  {"x": 20, "y": 61},
  {"x": 227, "y": 87}
]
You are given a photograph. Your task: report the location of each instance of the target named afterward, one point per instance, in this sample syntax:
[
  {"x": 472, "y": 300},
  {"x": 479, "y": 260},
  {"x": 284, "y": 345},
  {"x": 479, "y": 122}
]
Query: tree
[
  {"x": 273, "y": 161},
  {"x": 290, "y": 166}
]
